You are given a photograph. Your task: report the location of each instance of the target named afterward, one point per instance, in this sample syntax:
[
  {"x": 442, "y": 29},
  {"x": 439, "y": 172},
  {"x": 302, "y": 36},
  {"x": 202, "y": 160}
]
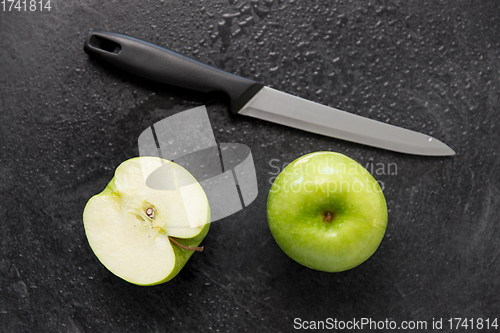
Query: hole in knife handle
[{"x": 104, "y": 44}]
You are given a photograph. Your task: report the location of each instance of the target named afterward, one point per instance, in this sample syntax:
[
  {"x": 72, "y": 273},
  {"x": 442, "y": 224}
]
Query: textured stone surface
[{"x": 67, "y": 121}]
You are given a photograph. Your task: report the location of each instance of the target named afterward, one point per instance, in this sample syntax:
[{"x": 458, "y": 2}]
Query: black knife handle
[{"x": 162, "y": 65}]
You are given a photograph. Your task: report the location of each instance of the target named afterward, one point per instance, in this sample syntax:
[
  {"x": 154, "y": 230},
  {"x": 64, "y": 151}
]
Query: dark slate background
[{"x": 67, "y": 121}]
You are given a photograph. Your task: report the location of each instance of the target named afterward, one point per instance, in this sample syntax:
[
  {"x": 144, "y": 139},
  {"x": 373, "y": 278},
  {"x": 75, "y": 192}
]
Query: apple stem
[
  {"x": 328, "y": 217},
  {"x": 190, "y": 248}
]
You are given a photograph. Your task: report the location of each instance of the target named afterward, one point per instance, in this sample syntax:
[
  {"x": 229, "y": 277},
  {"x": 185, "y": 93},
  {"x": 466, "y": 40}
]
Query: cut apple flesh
[{"x": 129, "y": 225}]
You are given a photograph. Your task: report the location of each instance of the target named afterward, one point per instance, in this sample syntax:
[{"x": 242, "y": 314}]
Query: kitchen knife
[{"x": 253, "y": 99}]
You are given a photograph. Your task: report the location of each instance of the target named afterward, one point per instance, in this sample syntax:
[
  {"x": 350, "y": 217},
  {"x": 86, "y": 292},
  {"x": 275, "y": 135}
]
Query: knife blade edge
[{"x": 282, "y": 108}]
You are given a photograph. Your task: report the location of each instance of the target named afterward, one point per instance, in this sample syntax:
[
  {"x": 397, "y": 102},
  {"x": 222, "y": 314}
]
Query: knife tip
[{"x": 444, "y": 149}]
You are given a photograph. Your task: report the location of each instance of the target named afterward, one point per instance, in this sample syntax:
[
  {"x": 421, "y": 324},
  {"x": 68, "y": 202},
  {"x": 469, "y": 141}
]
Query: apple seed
[{"x": 150, "y": 213}]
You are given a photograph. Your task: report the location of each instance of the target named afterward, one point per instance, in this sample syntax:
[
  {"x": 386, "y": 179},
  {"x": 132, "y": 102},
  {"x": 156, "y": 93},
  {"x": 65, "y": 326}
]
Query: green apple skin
[
  {"x": 116, "y": 200},
  {"x": 327, "y": 212}
]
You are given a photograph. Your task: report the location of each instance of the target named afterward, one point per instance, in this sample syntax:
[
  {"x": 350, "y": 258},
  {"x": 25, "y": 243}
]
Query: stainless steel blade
[{"x": 282, "y": 108}]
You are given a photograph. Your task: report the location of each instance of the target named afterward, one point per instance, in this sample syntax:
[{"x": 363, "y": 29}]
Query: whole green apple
[
  {"x": 143, "y": 234},
  {"x": 327, "y": 212}
]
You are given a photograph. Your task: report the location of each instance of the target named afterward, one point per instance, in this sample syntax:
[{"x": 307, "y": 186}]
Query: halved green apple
[{"x": 145, "y": 235}]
